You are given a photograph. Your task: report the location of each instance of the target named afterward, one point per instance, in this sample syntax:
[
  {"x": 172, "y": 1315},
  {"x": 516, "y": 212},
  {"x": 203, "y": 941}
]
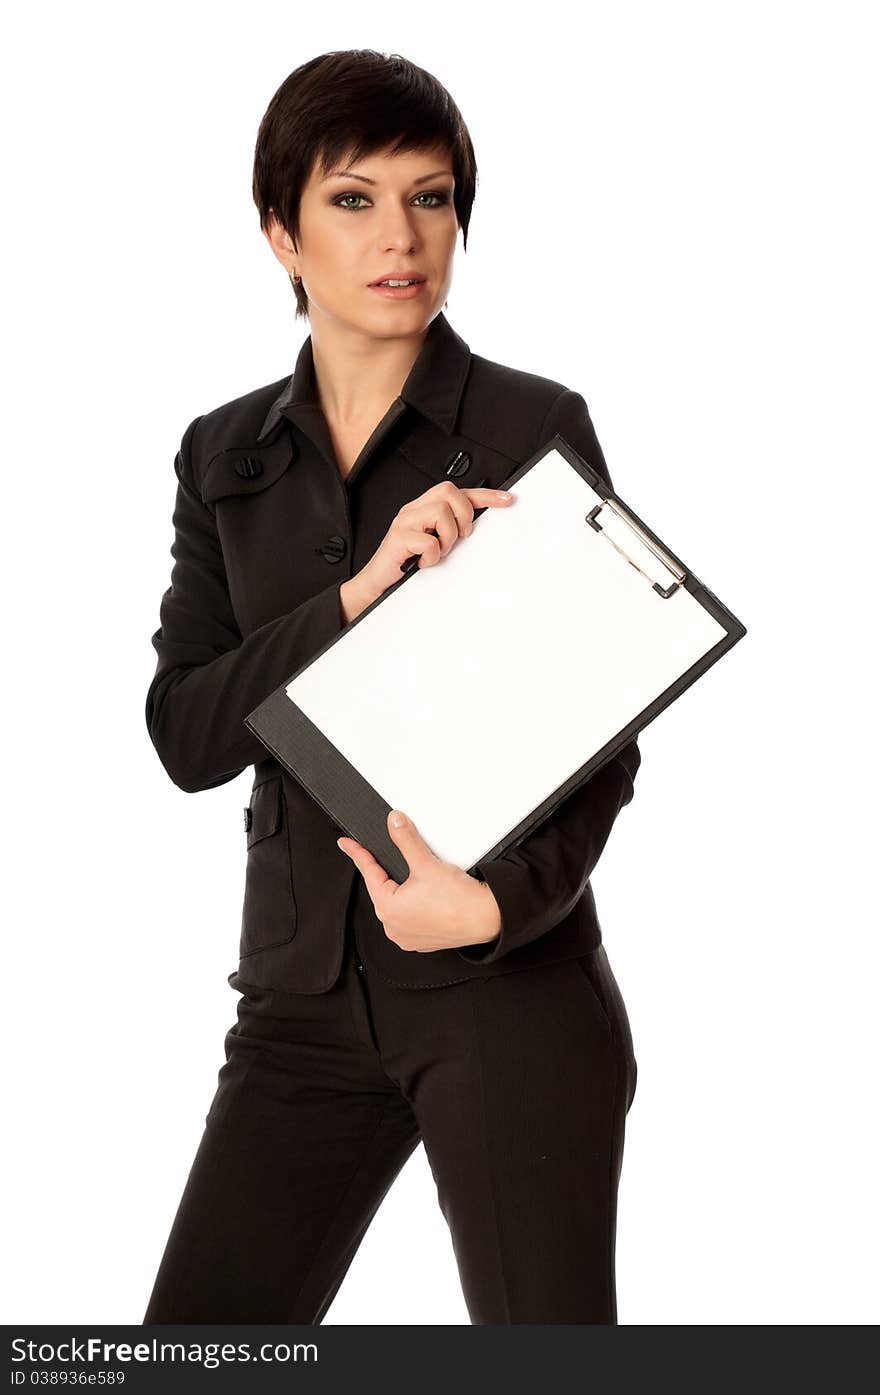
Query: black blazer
[{"x": 265, "y": 533}]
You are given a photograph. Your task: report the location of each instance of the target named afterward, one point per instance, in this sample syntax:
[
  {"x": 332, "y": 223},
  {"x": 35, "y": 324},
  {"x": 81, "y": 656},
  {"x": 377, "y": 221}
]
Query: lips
[{"x": 397, "y": 276}]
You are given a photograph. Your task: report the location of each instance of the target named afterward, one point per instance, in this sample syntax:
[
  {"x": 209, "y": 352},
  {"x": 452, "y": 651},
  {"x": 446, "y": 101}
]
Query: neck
[{"x": 359, "y": 375}]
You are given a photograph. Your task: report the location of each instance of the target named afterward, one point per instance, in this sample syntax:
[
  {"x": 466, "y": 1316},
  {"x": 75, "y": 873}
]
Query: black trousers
[{"x": 518, "y": 1085}]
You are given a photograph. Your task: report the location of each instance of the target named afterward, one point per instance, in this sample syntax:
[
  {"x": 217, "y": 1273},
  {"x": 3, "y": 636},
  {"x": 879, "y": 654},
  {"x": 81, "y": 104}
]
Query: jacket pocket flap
[
  {"x": 247, "y": 469},
  {"x": 264, "y": 810}
]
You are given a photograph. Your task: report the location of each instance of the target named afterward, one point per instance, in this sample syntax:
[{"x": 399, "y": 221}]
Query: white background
[{"x": 676, "y": 216}]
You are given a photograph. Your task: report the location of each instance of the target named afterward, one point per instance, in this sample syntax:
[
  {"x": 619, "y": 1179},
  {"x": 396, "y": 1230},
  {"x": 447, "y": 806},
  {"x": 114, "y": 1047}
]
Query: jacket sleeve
[
  {"x": 207, "y": 677},
  {"x": 537, "y": 882}
]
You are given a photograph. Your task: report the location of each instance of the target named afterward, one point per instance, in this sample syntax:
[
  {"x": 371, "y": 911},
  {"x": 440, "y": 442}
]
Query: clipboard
[{"x": 478, "y": 693}]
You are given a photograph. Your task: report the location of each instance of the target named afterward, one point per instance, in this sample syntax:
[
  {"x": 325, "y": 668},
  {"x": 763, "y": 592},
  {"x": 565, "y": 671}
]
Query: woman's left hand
[{"x": 438, "y": 906}]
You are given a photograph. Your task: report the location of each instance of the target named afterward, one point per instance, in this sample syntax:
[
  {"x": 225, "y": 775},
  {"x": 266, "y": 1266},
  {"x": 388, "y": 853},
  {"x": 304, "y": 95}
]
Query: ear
[{"x": 279, "y": 240}]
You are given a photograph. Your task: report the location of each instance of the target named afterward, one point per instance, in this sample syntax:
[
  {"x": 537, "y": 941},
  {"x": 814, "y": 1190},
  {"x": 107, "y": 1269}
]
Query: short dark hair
[{"x": 353, "y": 102}]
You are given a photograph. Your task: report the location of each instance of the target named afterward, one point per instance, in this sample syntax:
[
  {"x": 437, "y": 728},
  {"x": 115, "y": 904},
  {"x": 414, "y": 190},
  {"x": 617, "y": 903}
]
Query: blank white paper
[{"x": 476, "y": 689}]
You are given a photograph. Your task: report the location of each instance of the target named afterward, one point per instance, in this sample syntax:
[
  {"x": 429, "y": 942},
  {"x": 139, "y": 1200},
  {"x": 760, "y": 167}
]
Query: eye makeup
[{"x": 443, "y": 198}]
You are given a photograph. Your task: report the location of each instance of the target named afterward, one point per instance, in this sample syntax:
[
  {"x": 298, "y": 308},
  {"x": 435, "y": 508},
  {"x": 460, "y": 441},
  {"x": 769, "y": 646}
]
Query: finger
[
  {"x": 456, "y": 507},
  {"x": 376, "y": 878},
  {"x": 438, "y": 515},
  {"x": 465, "y": 502},
  {"x": 404, "y": 833},
  {"x": 450, "y": 522},
  {"x": 417, "y": 542},
  {"x": 480, "y": 496},
  {"x": 488, "y": 498}
]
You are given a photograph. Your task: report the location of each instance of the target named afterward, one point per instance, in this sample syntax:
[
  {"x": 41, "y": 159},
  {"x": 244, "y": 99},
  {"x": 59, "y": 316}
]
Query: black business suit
[{"x": 266, "y": 531}]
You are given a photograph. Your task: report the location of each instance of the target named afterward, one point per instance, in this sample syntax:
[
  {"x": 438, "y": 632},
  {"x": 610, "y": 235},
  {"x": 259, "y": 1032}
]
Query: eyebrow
[{"x": 338, "y": 174}]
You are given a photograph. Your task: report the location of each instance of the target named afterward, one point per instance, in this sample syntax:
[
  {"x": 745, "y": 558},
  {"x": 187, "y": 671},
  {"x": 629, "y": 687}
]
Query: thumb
[{"x": 404, "y": 833}]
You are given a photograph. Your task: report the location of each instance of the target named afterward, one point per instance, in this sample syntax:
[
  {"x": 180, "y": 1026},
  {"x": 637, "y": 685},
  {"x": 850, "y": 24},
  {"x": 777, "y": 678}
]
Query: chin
[{"x": 403, "y": 316}]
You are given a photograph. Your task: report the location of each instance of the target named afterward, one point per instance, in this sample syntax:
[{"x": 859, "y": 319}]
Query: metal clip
[{"x": 645, "y": 548}]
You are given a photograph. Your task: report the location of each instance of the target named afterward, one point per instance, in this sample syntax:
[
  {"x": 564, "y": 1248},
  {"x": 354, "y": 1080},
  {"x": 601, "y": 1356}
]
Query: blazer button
[
  {"x": 249, "y": 467},
  {"x": 334, "y": 549},
  {"x": 458, "y": 465}
]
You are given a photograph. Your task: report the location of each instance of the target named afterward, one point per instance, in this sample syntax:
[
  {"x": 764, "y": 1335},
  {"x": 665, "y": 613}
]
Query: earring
[{"x": 294, "y": 279}]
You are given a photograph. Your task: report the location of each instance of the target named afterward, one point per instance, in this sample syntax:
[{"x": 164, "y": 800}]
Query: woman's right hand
[{"x": 445, "y": 508}]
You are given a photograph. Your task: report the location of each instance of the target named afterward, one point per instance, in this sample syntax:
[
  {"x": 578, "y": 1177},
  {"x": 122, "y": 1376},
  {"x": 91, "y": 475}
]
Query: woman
[{"x": 476, "y": 1014}]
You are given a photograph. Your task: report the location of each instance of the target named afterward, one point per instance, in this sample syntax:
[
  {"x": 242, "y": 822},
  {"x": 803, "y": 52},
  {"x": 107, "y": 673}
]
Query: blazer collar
[{"x": 433, "y": 385}]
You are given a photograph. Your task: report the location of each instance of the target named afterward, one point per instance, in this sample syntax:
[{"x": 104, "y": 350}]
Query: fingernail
[
  {"x": 397, "y": 820},
  {"x": 504, "y": 494}
]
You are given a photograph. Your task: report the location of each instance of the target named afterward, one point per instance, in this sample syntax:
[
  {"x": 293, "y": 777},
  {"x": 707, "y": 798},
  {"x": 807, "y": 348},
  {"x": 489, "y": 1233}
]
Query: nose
[{"x": 399, "y": 230}]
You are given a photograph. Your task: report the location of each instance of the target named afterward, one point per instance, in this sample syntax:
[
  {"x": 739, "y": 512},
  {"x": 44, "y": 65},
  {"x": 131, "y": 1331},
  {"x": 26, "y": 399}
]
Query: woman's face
[{"x": 386, "y": 214}]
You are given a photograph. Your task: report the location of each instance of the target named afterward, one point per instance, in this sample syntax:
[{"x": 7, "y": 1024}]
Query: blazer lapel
[{"x": 433, "y": 387}]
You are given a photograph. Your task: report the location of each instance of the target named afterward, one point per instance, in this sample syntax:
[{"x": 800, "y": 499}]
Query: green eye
[{"x": 341, "y": 201}]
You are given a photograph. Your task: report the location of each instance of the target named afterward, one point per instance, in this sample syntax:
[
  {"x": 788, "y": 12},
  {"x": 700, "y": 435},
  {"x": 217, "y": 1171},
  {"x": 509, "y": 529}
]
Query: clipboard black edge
[{"x": 324, "y": 768}]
